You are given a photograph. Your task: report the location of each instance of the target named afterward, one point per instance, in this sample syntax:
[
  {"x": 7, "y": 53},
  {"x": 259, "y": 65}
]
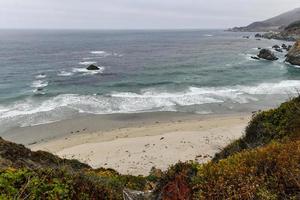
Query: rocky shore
[{"x": 293, "y": 56}]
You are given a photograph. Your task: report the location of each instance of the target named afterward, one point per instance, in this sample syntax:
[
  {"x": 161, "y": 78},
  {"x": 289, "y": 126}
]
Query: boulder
[
  {"x": 92, "y": 67},
  {"x": 255, "y": 57},
  {"x": 284, "y": 46},
  {"x": 137, "y": 195},
  {"x": 276, "y": 47},
  {"x": 293, "y": 55},
  {"x": 279, "y": 50},
  {"x": 257, "y": 35},
  {"x": 267, "y": 55}
]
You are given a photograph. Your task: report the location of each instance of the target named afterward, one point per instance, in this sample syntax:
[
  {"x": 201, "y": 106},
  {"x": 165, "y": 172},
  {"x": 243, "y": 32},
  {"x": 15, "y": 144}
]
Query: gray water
[{"x": 43, "y": 76}]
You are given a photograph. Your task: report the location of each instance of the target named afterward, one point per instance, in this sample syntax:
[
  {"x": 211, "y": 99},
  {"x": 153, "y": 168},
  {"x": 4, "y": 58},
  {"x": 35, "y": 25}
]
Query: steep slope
[
  {"x": 277, "y": 23},
  {"x": 264, "y": 164},
  {"x": 284, "y": 19},
  {"x": 273, "y": 125},
  {"x": 25, "y": 174},
  {"x": 18, "y": 156}
]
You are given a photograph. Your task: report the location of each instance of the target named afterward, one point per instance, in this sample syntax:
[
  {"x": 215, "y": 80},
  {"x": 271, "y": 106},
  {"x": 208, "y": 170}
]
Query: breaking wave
[{"x": 40, "y": 111}]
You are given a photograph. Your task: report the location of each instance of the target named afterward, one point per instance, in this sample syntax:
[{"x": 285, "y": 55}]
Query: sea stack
[
  {"x": 267, "y": 55},
  {"x": 293, "y": 56},
  {"x": 92, "y": 67}
]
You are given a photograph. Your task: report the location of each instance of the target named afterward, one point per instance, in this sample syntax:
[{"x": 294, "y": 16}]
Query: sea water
[{"x": 43, "y": 75}]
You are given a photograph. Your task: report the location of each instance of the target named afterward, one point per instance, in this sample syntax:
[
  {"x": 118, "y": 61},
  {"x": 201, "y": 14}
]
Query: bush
[
  {"x": 62, "y": 184},
  {"x": 278, "y": 124},
  {"x": 271, "y": 172}
]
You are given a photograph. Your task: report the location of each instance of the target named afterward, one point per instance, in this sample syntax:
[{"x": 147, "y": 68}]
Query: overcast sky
[{"x": 138, "y": 14}]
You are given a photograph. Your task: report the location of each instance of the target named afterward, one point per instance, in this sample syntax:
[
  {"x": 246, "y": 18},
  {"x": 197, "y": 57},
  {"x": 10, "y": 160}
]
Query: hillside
[
  {"x": 264, "y": 164},
  {"x": 277, "y": 23}
]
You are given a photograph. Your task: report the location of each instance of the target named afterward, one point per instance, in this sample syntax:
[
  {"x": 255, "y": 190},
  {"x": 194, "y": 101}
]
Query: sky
[{"x": 138, "y": 14}]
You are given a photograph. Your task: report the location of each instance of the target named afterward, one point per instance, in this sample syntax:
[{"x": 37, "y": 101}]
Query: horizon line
[{"x": 115, "y": 29}]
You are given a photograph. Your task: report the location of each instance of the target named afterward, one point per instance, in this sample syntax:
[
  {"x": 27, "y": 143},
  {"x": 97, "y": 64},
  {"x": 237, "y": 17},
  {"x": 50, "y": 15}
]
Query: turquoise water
[{"x": 43, "y": 76}]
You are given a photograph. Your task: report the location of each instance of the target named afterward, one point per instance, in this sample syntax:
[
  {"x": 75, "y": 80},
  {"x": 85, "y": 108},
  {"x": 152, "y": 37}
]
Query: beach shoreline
[{"x": 134, "y": 143}]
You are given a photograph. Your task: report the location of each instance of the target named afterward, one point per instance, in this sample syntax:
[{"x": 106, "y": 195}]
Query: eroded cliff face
[{"x": 293, "y": 56}]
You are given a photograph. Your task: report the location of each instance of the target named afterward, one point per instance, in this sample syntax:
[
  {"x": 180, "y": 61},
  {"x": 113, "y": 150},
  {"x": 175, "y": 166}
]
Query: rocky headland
[{"x": 293, "y": 56}]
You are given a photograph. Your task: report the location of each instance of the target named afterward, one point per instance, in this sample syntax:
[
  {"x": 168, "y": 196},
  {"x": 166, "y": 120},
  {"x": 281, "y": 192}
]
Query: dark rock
[
  {"x": 289, "y": 47},
  {"x": 92, "y": 67},
  {"x": 284, "y": 46},
  {"x": 246, "y": 37},
  {"x": 267, "y": 55},
  {"x": 279, "y": 50},
  {"x": 137, "y": 195},
  {"x": 255, "y": 57},
  {"x": 293, "y": 55},
  {"x": 257, "y": 35},
  {"x": 279, "y": 36},
  {"x": 276, "y": 47}
]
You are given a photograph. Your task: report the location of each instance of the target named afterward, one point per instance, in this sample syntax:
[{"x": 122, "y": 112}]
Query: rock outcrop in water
[
  {"x": 92, "y": 67},
  {"x": 293, "y": 56},
  {"x": 267, "y": 55}
]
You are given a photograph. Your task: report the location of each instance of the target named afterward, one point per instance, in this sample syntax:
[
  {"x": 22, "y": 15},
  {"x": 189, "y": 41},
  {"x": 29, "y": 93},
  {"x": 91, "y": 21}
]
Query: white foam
[
  {"x": 98, "y": 52},
  {"x": 87, "y": 58},
  {"x": 39, "y": 84},
  {"x": 65, "y": 73},
  {"x": 87, "y": 63},
  {"x": 87, "y": 72},
  {"x": 147, "y": 100},
  {"x": 101, "y": 53},
  {"x": 208, "y": 35},
  {"x": 105, "y": 54},
  {"x": 41, "y": 76},
  {"x": 283, "y": 87}
]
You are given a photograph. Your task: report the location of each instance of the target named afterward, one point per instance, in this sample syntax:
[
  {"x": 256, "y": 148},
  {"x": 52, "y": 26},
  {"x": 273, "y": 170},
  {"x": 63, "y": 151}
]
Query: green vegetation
[
  {"x": 63, "y": 184},
  {"x": 264, "y": 164},
  {"x": 294, "y": 25},
  {"x": 270, "y": 172},
  {"x": 274, "y": 125}
]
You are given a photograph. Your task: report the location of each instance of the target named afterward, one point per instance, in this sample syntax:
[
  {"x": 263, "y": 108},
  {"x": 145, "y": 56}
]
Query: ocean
[{"x": 43, "y": 76}]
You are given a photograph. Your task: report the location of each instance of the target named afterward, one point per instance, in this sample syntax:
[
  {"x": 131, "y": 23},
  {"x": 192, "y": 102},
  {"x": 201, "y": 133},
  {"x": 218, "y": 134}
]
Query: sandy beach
[{"x": 134, "y": 143}]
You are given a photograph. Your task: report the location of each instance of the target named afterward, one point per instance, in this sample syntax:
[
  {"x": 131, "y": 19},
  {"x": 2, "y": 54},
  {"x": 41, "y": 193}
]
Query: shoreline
[{"x": 134, "y": 143}]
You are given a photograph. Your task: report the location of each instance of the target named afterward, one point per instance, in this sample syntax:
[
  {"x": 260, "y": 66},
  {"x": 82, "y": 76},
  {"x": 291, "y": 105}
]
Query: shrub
[
  {"x": 62, "y": 184},
  {"x": 270, "y": 172},
  {"x": 277, "y": 124}
]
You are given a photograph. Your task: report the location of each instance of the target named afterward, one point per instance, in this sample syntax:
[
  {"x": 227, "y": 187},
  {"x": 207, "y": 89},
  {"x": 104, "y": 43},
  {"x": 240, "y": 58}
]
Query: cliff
[
  {"x": 275, "y": 24},
  {"x": 293, "y": 55}
]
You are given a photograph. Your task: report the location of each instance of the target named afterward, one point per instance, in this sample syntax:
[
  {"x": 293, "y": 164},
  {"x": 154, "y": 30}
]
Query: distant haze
[{"x": 138, "y": 14}]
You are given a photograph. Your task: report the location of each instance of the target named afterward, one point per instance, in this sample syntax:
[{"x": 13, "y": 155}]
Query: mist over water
[{"x": 43, "y": 74}]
